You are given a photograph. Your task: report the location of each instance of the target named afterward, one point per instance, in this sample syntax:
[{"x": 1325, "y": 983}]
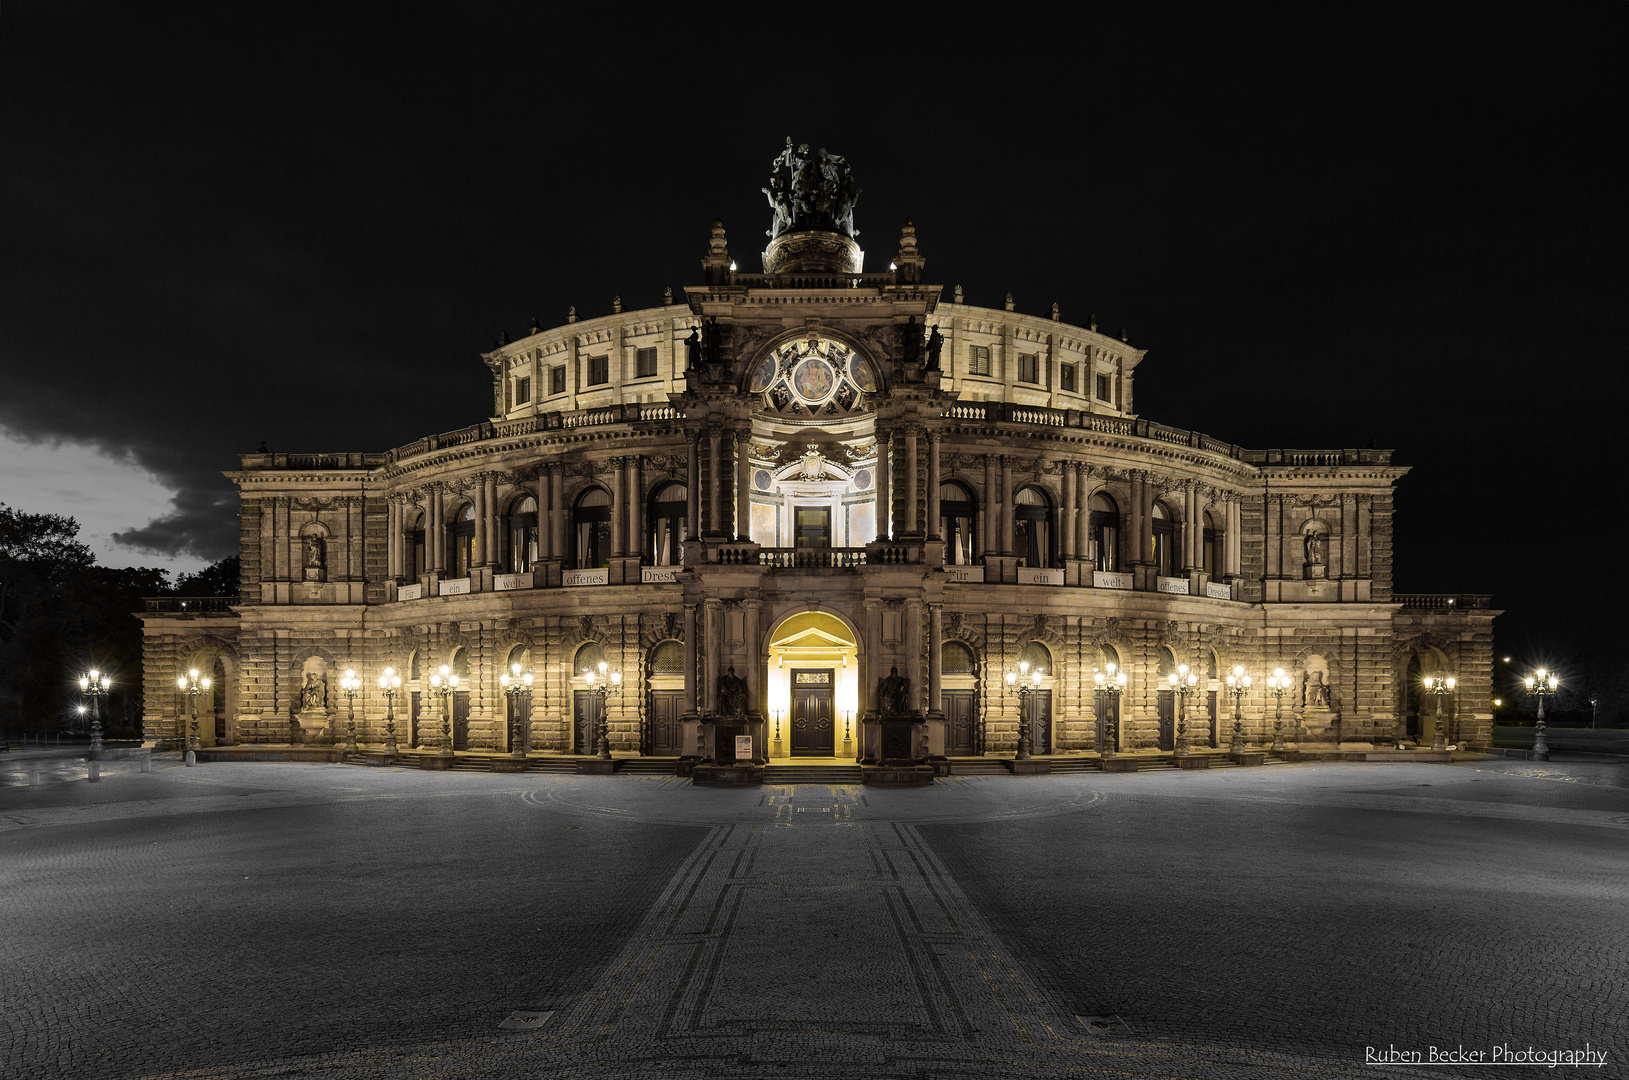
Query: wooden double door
[
  {"x": 424, "y": 725},
  {"x": 961, "y": 722},
  {"x": 664, "y": 732},
  {"x": 814, "y": 721}
]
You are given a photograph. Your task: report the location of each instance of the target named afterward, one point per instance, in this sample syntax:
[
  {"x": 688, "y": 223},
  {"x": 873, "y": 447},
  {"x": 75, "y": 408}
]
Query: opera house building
[{"x": 818, "y": 512}]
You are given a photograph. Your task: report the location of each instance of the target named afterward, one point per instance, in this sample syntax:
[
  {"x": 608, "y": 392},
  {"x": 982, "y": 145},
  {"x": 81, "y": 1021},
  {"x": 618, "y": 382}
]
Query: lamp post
[
  {"x": 778, "y": 714},
  {"x": 517, "y": 684},
  {"x": 390, "y": 684},
  {"x": 848, "y": 733},
  {"x": 349, "y": 685},
  {"x": 1541, "y": 684},
  {"x": 1438, "y": 686},
  {"x": 443, "y": 684},
  {"x": 1111, "y": 682},
  {"x": 1237, "y": 683},
  {"x": 1182, "y": 683},
  {"x": 94, "y": 685},
  {"x": 608, "y": 682},
  {"x": 191, "y": 684},
  {"x": 1278, "y": 684},
  {"x": 1027, "y": 681}
]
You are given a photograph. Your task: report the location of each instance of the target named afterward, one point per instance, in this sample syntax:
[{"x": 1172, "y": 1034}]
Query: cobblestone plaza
[{"x": 243, "y": 919}]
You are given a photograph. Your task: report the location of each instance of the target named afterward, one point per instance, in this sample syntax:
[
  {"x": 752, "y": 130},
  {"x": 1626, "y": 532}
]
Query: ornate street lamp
[
  {"x": 349, "y": 684},
  {"x": 608, "y": 682},
  {"x": 1541, "y": 684},
  {"x": 1237, "y": 683},
  {"x": 1438, "y": 686},
  {"x": 1278, "y": 684},
  {"x": 778, "y": 714},
  {"x": 1027, "y": 682},
  {"x": 94, "y": 685},
  {"x": 390, "y": 684},
  {"x": 1113, "y": 683},
  {"x": 1182, "y": 683},
  {"x": 517, "y": 684},
  {"x": 444, "y": 684},
  {"x": 191, "y": 684}
]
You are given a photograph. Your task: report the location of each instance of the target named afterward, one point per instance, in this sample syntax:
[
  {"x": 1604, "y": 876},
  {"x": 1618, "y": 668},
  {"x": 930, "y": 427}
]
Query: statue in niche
[
  {"x": 893, "y": 694},
  {"x": 936, "y": 343},
  {"x": 314, "y": 694},
  {"x": 314, "y": 558},
  {"x": 1314, "y": 545},
  {"x": 1316, "y": 692},
  {"x": 732, "y": 694}
]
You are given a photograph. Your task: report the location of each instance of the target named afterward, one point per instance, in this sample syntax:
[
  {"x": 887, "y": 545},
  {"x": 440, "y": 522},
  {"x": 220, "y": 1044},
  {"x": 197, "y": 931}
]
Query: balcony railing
[
  {"x": 190, "y": 605},
  {"x": 811, "y": 558},
  {"x": 1443, "y": 601}
]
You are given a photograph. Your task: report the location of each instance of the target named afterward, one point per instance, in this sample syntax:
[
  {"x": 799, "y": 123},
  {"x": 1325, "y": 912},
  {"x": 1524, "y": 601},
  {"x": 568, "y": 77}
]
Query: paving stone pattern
[{"x": 247, "y": 920}]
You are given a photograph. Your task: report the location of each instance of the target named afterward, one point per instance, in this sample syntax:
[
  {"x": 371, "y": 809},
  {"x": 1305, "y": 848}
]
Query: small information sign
[{"x": 743, "y": 747}]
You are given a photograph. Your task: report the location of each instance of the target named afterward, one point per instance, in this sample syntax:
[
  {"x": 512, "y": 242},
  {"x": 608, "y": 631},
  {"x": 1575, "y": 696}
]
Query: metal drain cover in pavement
[
  {"x": 1104, "y": 1025},
  {"x": 525, "y": 1021}
]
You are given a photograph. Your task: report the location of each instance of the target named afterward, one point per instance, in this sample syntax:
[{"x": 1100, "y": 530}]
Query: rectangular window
[
  {"x": 557, "y": 380},
  {"x": 1103, "y": 388},
  {"x": 1066, "y": 377},
  {"x": 813, "y": 527},
  {"x": 523, "y": 390},
  {"x": 599, "y": 369},
  {"x": 1029, "y": 367},
  {"x": 978, "y": 359},
  {"x": 645, "y": 364}
]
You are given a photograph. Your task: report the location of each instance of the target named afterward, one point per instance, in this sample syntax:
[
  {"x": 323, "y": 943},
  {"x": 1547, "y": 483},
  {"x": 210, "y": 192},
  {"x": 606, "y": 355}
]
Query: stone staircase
[
  {"x": 813, "y": 774},
  {"x": 1062, "y": 766},
  {"x": 977, "y": 766},
  {"x": 647, "y": 766}
]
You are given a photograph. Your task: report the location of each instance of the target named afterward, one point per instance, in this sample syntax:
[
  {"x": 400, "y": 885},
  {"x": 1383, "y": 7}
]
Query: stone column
[
  {"x": 692, "y": 484},
  {"x": 992, "y": 502},
  {"x": 1066, "y": 527},
  {"x": 545, "y": 514},
  {"x": 743, "y": 484},
  {"x": 494, "y": 535},
  {"x": 934, "y": 530},
  {"x": 280, "y": 537},
  {"x": 393, "y": 538},
  {"x": 690, "y": 655},
  {"x": 715, "y": 441},
  {"x": 558, "y": 513},
  {"x": 913, "y": 649},
  {"x": 1190, "y": 525},
  {"x": 636, "y": 505},
  {"x": 885, "y": 502},
  {"x": 1270, "y": 527},
  {"x": 354, "y": 568},
  {"x": 435, "y": 531},
  {"x": 619, "y": 507},
  {"x": 936, "y": 640},
  {"x": 1137, "y": 535},
  {"x": 712, "y": 618},
  {"x": 755, "y": 664},
  {"x": 910, "y": 481},
  {"x": 1348, "y": 561},
  {"x": 1235, "y": 537},
  {"x": 1083, "y": 519},
  {"x": 1006, "y": 505}
]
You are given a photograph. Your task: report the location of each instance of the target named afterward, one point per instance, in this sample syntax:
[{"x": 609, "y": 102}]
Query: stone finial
[
  {"x": 1091, "y": 324},
  {"x": 1008, "y": 302},
  {"x": 907, "y": 240},
  {"x": 503, "y": 338},
  {"x": 908, "y": 263},
  {"x": 536, "y": 327},
  {"x": 717, "y": 246},
  {"x": 957, "y": 295},
  {"x": 616, "y": 305},
  {"x": 571, "y": 314},
  {"x": 667, "y": 296},
  {"x": 1125, "y": 335},
  {"x": 1055, "y": 314},
  {"x": 718, "y": 265}
]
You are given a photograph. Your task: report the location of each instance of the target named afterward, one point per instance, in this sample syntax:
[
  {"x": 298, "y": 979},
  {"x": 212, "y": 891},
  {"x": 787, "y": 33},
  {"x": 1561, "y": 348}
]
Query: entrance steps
[
  {"x": 977, "y": 766},
  {"x": 813, "y": 774},
  {"x": 647, "y": 766},
  {"x": 1063, "y": 765}
]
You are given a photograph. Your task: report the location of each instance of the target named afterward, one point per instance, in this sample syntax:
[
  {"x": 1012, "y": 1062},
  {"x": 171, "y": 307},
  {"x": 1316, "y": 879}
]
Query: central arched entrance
[{"x": 813, "y": 687}]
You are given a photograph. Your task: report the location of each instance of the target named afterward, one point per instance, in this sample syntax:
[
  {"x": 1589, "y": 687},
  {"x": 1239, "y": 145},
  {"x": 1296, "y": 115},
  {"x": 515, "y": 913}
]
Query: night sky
[{"x": 226, "y": 224}]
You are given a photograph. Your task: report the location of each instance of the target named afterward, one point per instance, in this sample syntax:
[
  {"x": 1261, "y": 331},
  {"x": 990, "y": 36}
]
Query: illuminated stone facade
[{"x": 808, "y": 482}]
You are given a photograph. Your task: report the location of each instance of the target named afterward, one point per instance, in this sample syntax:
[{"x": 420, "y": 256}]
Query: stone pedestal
[
  {"x": 1191, "y": 761},
  {"x": 903, "y": 739}
]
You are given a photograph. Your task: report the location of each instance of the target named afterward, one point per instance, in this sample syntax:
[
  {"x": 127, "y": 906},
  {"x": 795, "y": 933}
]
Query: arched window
[
  {"x": 1167, "y": 663},
  {"x": 461, "y": 542},
  {"x": 668, "y": 517},
  {"x": 415, "y": 667},
  {"x": 667, "y": 659},
  {"x": 1106, "y": 655},
  {"x": 1164, "y": 541},
  {"x": 522, "y": 534},
  {"x": 1032, "y": 528},
  {"x": 415, "y": 538},
  {"x": 592, "y": 518},
  {"x": 957, "y": 522},
  {"x": 522, "y": 655},
  {"x": 1103, "y": 533},
  {"x": 1211, "y": 666},
  {"x": 1036, "y": 656},
  {"x": 460, "y": 666},
  {"x": 955, "y": 659},
  {"x": 1211, "y": 547},
  {"x": 588, "y": 658}
]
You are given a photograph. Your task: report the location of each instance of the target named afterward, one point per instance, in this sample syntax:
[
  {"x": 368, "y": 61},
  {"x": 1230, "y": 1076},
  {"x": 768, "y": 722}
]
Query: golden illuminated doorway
[
  {"x": 813, "y": 720},
  {"x": 813, "y": 676}
]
